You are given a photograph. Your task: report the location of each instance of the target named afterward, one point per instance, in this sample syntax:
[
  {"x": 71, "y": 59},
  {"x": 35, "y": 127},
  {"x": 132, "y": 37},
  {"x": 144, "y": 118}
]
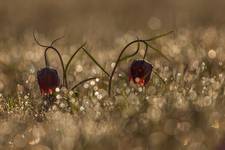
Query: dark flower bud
[
  {"x": 48, "y": 80},
  {"x": 140, "y": 72},
  {"x": 221, "y": 145}
]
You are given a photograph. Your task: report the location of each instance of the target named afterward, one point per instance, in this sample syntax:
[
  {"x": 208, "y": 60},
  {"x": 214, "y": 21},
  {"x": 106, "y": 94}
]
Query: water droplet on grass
[
  {"x": 82, "y": 108},
  {"x": 79, "y": 68},
  {"x": 92, "y": 83},
  {"x": 86, "y": 85},
  {"x": 57, "y": 89},
  {"x": 113, "y": 65}
]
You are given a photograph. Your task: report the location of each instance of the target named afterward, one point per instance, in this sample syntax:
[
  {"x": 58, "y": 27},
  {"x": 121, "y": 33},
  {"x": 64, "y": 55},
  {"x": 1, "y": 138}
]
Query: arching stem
[
  {"x": 61, "y": 61},
  {"x": 54, "y": 41},
  {"x": 59, "y": 55},
  {"x": 82, "y": 82},
  {"x": 94, "y": 60},
  {"x": 129, "y": 44},
  {"x": 159, "y": 36},
  {"x": 159, "y": 76},
  {"x": 35, "y": 39},
  {"x": 157, "y": 50},
  {"x": 70, "y": 60},
  {"x": 146, "y": 51},
  {"x": 117, "y": 63},
  {"x": 131, "y": 55},
  {"x": 89, "y": 55},
  {"x": 74, "y": 54},
  {"x": 154, "y": 38}
]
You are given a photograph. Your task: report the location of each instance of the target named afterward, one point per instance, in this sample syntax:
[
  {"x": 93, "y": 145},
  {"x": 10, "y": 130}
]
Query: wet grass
[{"x": 187, "y": 112}]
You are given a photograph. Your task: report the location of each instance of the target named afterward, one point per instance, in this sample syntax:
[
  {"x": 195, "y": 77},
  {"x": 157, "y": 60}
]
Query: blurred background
[
  {"x": 105, "y": 20},
  {"x": 101, "y": 23},
  {"x": 187, "y": 113}
]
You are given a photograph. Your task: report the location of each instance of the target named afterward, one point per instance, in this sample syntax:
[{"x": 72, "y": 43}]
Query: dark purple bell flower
[
  {"x": 221, "y": 145},
  {"x": 48, "y": 80},
  {"x": 140, "y": 72}
]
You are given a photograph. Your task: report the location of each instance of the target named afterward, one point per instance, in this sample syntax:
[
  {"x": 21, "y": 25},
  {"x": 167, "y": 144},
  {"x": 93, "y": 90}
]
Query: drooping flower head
[
  {"x": 48, "y": 80},
  {"x": 140, "y": 72}
]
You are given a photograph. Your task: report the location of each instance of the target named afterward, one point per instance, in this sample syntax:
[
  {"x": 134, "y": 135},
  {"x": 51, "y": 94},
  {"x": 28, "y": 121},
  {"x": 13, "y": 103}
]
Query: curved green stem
[
  {"x": 146, "y": 50},
  {"x": 82, "y": 82},
  {"x": 129, "y": 44},
  {"x": 159, "y": 76},
  {"x": 159, "y": 36},
  {"x": 131, "y": 55},
  {"x": 61, "y": 61},
  {"x": 38, "y": 41},
  {"x": 46, "y": 45},
  {"x": 71, "y": 58},
  {"x": 59, "y": 38},
  {"x": 117, "y": 63},
  {"x": 59, "y": 55},
  {"x": 93, "y": 59},
  {"x": 159, "y": 52},
  {"x": 89, "y": 55}
]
